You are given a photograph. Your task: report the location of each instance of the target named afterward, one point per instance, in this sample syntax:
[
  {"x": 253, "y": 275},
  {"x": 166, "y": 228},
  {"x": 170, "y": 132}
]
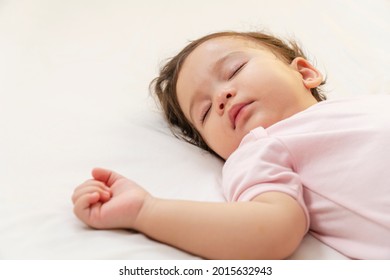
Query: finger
[
  {"x": 103, "y": 191},
  {"x": 94, "y": 182},
  {"x": 104, "y": 195},
  {"x": 106, "y": 176},
  {"x": 91, "y": 182},
  {"x": 87, "y": 186},
  {"x": 83, "y": 203}
]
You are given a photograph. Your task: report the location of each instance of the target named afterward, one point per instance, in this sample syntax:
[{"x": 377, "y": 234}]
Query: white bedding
[{"x": 74, "y": 79}]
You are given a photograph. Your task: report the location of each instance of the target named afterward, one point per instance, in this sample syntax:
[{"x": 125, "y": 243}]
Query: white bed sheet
[{"x": 74, "y": 79}]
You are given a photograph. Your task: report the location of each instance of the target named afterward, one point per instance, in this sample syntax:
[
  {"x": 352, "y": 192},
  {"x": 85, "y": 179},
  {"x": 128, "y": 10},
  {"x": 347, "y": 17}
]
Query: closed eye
[
  {"x": 237, "y": 70},
  {"x": 205, "y": 113}
]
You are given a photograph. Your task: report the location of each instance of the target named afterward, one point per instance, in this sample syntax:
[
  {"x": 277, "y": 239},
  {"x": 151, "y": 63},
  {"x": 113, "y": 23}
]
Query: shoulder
[
  {"x": 355, "y": 103},
  {"x": 259, "y": 161},
  {"x": 257, "y": 144}
]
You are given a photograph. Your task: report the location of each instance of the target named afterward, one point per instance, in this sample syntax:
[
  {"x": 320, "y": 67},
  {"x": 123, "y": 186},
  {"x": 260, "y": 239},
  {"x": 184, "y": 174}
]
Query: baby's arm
[{"x": 270, "y": 226}]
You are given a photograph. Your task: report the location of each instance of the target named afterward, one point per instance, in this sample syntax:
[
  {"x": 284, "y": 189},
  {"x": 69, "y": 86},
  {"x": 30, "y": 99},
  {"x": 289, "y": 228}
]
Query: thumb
[{"x": 106, "y": 176}]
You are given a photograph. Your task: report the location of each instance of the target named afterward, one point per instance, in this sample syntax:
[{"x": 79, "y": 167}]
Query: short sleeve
[{"x": 261, "y": 164}]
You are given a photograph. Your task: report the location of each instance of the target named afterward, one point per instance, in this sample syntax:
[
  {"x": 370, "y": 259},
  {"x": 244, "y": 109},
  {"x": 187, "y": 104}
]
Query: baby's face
[{"x": 228, "y": 86}]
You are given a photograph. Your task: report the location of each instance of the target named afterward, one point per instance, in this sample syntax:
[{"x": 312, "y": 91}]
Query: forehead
[
  {"x": 203, "y": 57},
  {"x": 218, "y": 45}
]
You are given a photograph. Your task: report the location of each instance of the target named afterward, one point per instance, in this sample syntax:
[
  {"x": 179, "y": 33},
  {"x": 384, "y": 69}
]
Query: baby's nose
[{"x": 223, "y": 100}]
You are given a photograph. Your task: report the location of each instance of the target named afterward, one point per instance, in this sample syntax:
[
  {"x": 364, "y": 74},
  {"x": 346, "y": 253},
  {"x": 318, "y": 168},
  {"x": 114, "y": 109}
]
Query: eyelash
[
  {"x": 204, "y": 114},
  {"x": 236, "y": 70}
]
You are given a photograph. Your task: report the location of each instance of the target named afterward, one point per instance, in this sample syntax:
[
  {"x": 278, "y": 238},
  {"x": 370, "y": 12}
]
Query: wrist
[{"x": 145, "y": 213}]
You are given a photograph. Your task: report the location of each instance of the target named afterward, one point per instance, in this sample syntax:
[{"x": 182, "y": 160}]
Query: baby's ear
[{"x": 311, "y": 76}]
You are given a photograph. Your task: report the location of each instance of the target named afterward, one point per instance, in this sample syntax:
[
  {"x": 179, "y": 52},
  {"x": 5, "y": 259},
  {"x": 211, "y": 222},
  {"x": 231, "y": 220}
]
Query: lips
[{"x": 235, "y": 111}]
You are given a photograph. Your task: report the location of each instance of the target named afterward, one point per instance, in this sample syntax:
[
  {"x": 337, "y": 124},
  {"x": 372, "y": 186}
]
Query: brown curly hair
[{"x": 164, "y": 85}]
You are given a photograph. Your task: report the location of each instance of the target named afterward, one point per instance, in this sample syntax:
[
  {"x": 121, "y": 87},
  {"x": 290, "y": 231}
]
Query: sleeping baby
[{"x": 294, "y": 161}]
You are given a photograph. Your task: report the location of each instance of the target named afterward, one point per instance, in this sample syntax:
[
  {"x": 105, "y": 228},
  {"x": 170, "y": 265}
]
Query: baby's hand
[{"x": 109, "y": 200}]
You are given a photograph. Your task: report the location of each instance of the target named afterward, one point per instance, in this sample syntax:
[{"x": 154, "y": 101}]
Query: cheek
[
  {"x": 214, "y": 138},
  {"x": 224, "y": 144},
  {"x": 211, "y": 135}
]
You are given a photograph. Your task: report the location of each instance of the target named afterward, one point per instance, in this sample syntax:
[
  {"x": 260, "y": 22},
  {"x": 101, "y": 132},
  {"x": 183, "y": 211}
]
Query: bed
[{"x": 74, "y": 78}]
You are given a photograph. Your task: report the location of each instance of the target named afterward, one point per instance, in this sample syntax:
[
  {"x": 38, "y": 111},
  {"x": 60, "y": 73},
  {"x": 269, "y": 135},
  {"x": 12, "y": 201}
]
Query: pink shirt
[{"x": 334, "y": 159}]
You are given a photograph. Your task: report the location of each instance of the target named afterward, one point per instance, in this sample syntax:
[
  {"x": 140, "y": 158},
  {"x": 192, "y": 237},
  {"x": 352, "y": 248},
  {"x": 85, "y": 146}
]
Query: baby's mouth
[{"x": 234, "y": 112}]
